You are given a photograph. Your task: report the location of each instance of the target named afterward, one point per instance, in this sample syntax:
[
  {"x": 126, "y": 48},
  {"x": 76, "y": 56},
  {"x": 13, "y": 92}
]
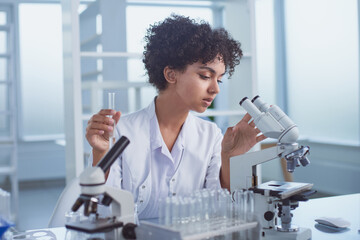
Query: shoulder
[
  {"x": 138, "y": 116},
  {"x": 203, "y": 123},
  {"x": 136, "y": 127},
  {"x": 203, "y": 126},
  {"x": 135, "y": 124}
]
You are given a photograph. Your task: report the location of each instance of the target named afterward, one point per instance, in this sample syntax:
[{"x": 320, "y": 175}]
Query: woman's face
[{"x": 198, "y": 84}]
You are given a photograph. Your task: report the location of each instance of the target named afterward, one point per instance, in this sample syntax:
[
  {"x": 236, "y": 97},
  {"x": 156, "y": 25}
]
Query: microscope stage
[{"x": 282, "y": 190}]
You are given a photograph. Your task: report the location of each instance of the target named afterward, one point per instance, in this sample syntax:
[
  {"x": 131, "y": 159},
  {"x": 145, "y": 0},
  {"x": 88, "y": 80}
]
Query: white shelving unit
[
  {"x": 8, "y": 110},
  {"x": 103, "y": 55}
]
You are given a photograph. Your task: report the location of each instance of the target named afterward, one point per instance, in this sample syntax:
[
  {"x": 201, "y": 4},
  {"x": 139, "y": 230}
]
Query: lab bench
[{"x": 345, "y": 206}]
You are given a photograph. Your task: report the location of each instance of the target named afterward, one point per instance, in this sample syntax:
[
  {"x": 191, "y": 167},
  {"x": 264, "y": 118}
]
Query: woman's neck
[
  {"x": 169, "y": 112},
  {"x": 171, "y": 116}
]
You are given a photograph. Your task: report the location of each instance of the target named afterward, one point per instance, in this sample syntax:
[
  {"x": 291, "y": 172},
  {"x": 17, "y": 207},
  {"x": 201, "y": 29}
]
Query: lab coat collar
[{"x": 156, "y": 137}]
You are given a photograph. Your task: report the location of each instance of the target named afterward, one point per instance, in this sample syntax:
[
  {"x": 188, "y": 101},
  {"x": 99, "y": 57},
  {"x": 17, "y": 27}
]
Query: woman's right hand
[{"x": 99, "y": 127}]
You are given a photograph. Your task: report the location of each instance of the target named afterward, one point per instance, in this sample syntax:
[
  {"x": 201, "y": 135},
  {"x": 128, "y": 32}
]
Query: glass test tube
[{"x": 111, "y": 105}]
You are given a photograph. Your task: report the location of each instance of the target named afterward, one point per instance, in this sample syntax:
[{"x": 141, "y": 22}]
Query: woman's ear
[{"x": 169, "y": 74}]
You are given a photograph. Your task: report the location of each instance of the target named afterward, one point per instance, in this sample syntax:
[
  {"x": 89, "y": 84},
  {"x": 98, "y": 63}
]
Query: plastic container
[{"x": 4, "y": 225}]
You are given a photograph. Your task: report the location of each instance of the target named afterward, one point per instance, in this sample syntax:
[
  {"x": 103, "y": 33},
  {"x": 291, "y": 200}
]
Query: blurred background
[{"x": 60, "y": 58}]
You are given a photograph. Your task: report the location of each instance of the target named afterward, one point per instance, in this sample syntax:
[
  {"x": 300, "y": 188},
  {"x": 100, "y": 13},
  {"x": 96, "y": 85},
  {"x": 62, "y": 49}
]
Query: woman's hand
[
  {"x": 99, "y": 127},
  {"x": 240, "y": 138},
  {"x": 237, "y": 140}
]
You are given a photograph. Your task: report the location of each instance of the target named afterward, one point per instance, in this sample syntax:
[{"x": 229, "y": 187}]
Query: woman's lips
[{"x": 208, "y": 101}]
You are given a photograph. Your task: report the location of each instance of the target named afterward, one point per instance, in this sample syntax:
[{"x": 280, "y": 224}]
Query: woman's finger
[
  {"x": 260, "y": 138},
  {"x": 100, "y": 126},
  {"x": 247, "y": 117},
  {"x": 116, "y": 116},
  {"x": 252, "y": 124},
  {"x": 91, "y": 132},
  {"x": 101, "y": 119},
  {"x": 105, "y": 112}
]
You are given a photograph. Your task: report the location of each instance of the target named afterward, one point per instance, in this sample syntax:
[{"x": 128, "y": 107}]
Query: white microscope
[
  {"x": 94, "y": 192},
  {"x": 274, "y": 199}
]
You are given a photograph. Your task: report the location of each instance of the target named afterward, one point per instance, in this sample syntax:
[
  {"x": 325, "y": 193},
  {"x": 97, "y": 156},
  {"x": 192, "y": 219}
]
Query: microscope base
[{"x": 271, "y": 234}]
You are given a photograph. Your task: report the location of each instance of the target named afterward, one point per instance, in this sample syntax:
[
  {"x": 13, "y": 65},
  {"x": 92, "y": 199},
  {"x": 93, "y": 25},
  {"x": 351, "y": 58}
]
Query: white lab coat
[{"x": 147, "y": 168}]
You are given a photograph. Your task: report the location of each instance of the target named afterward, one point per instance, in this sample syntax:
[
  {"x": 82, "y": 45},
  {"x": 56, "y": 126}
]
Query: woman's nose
[{"x": 214, "y": 88}]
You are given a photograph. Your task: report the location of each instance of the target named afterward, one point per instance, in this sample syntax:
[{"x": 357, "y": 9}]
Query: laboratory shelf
[
  {"x": 111, "y": 54},
  {"x": 7, "y": 170}
]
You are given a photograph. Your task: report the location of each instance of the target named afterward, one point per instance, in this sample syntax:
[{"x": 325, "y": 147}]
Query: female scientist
[{"x": 171, "y": 151}]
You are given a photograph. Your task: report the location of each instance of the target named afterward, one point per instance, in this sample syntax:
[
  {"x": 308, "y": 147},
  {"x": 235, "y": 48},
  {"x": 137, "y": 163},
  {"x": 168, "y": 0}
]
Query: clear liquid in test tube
[{"x": 111, "y": 105}]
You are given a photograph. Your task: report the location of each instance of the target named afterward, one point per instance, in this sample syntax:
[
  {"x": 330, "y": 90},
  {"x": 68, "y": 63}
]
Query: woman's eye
[
  {"x": 219, "y": 81},
  {"x": 203, "y": 76}
]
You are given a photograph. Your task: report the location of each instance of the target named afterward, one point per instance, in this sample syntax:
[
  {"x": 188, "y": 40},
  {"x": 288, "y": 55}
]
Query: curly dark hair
[{"x": 179, "y": 41}]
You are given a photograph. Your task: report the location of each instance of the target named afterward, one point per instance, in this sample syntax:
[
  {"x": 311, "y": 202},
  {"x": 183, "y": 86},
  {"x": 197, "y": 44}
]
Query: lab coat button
[
  {"x": 173, "y": 179},
  {"x": 141, "y": 201},
  {"x": 174, "y": 194},
  {"x": 143, "y": 186}
]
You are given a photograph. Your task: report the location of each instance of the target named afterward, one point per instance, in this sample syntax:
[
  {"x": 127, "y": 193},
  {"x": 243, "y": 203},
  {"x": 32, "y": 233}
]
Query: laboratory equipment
[
  {"x": 5, "y": 214},
  {"x": 111, "y": 105},
  {"x": 203, "y": 214},
  {"x": 273, "y": 200},
  {"x": 5, "y": 208},
  {"x": 207, "y": 213},
  {"x": 94, "y": 192}
]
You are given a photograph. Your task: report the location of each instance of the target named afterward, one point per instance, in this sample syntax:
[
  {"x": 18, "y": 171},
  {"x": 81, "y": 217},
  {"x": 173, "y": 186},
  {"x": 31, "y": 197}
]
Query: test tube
[
  {"x": 222, "y": 205},
  {"x": 213, "y": 204},
  {"x": 167, "y": 211},
  {"x": 175, "y": 212},
  {"x": 161, "y": 211},
  {"x": 238, "y": 203},
  {"x": 111, "y": 105},
  {"x": 205, "y": 198},
  {"x": 184, "y": 210},
  {"x": 250, "y": 203}
]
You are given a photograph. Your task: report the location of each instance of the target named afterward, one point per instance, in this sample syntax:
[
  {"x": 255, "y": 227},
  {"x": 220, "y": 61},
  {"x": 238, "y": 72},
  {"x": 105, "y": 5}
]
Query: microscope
[
  {"x": 95, "y": 192},
  {"x": 273, "y": 200}
]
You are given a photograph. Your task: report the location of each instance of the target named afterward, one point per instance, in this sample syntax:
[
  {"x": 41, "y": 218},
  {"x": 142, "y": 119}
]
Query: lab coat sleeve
[{"x": 212, "y": 180}]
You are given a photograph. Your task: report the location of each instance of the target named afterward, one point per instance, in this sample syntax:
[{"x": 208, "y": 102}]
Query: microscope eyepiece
[
  {"x": 110, "y": 157},
  {"x": 254, "y": 98},
  {"x": 242, "y": 100}
]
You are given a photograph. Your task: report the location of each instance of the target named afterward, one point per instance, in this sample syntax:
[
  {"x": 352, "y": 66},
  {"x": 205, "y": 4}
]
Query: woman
[{"x": 171, "y": 151}]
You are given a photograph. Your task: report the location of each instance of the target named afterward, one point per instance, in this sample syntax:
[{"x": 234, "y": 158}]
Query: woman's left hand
[{"x": 240, "y": 138}]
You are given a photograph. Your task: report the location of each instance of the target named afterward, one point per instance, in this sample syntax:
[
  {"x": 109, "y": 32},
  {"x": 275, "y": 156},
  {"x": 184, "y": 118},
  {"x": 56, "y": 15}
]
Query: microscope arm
[
  {"x": 244, "y": 174},
  {"x": 123, "y": 204}
]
